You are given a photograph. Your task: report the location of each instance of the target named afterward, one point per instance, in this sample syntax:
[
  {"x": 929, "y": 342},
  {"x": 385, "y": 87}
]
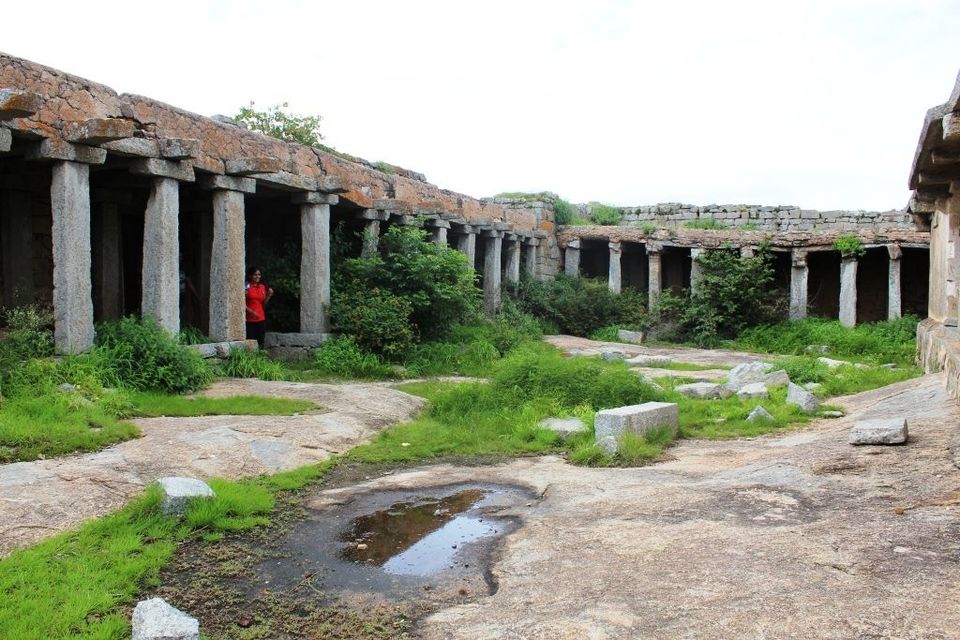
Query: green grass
[
  {"x": 150, "y": 405},
  {"x": 57, "y": 423},
  {"x": 705, "y": 223},
  {"x": 691, "y": 366},
  {"x": 842, "y": 380},
  {"x": 253, "y": 364}
]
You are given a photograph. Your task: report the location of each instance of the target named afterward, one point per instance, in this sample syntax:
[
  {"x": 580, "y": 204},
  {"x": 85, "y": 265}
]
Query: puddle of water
[{"x": 421, "y": 537}]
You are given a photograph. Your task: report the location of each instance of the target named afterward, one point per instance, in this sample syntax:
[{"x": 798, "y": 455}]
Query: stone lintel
[
  {"x": 541, "y": 234},
  {"x": 491, "y": 233},
  {"x": 452, "y": 217},
  {"x": 331, "y": 184},
  {"x": 654, "y": 247},
  {"x": 179, "y": 148},
  {"x": 391, "y": 204},
  {"x": 951, "y": 127},
  {"x": 250, "y": 166},
  {"x": 370, "y": 214},
  {"x": 98, "y": 130},
  {"x": 217, "y": 182},
  {"x": 315, "y": 197},
  {"x": 18, "y": 104},
  {"x": 798, "y": 257},
  {"x": 929, "y": 179},
  {"x": 133, "y": 147},
  {"x": 437, "y": 223},
  {"x": 614, "y": 247},
  {"x": 574, "y": 244},
  {"x": 894, "y": 251},
  {"x": 404, "y": 219},
  {"x": 531, "y": 242},
  {"x": 6, "y": 140},
  {"x": 287, "y": 181},
  {"x": 502, "y": 226},
  {"x": 163, "y": 169},
  {"x": 941, "y": 157},
  {"x": 696, "y": 252},
  {"x": 56, "y": 149}
]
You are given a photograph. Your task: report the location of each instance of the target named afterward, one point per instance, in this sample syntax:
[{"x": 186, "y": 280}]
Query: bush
[
  {"x": 29, "y": 335},
  {"x": 706, "y": 223},
  {"x": 581, "y": 306},
  {"x": 604, "y": 214},
  {"x": 342, "y": 357},
  {"x": 242, "y": 363},
  {"x": 376, "y": 319},
  {"x": 139, "y": 354},
  {"x": 849, "y": 244},
  {"x": 563, "y": 211}
]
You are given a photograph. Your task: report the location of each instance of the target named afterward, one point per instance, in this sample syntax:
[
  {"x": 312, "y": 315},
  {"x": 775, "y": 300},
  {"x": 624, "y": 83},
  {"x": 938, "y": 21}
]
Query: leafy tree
[{"x": 276, "y": 122}]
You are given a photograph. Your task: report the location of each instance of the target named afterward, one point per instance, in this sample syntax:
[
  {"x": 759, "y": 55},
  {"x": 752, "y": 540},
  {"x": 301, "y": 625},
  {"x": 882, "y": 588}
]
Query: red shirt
[{"x": 256, "y": 294}]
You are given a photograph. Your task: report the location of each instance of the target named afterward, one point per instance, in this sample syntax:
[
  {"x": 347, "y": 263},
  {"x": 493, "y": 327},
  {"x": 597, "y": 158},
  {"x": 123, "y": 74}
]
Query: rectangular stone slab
[
  {"x": 637, "y": 418},
  {"x": 879, "y": 431}
]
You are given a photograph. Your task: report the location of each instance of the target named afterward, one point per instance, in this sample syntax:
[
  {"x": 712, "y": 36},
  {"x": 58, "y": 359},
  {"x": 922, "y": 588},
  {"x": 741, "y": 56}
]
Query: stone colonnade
[{"x": 799, "y": 276}]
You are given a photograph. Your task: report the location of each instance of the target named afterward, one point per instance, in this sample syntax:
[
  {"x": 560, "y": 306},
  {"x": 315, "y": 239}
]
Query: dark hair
[{"x": 251, "y": 271}]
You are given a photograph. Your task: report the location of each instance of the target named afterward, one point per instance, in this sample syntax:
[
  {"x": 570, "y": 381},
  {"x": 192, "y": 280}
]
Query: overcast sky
[{"x": 816, "y": 104}]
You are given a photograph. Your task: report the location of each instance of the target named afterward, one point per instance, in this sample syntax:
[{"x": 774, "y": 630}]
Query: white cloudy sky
[{"x": 817, "y": 104}]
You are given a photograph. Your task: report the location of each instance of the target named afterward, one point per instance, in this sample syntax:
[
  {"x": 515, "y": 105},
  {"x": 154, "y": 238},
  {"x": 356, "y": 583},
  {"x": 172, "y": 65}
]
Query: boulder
[
  {"x": 154, "y": 619},
  {"x": 633, "y": 337},
  {"x": 776, "y": 378},
  {"x": 646, "y": 360},
  {"x": 746, "y": 373},
  {"x": 812, "y": 386},
  {"x": 753, "y": 390},
  {"x": 879, "y": 431},
  {"x": 703, "y": 390},
  {"x": 612, "y": 353},
  {"x": 831, "y": 363},
  {"x": 637, "y": 418},
  {"x": 759, "y": 414},
  {"x": 564, "y": 427},
  {"x": 177, "y": 492},
  {"x": 799, "y": 396}
]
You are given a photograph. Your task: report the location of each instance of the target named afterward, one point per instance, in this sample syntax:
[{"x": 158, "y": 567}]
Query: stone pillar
[
  {"x": 161, "y": 254},
  {"x": 653, "y": 273},
  {"x": 315, "y": 262},
  {"x": 614, "y": 279},
  {"x": 371, "y": 238},
  {"x": 16, "y": 230},
  {"x": 746, "y": 251},
  {"x": 798, "y": 284},
  {"x": 72, "y": 302},
  {"x": 571, "y": 259},
  {"x": 107, "y": 261},
  {"x": 512, "y": 273},
  {"x": 695, "y": 270},
  {"x": 440, "y": 232},
  {"x": 848, "y": 291},
  {"x": 228, "y": 257},
  {"x": 467, "y": 245},
  {"x": 491, "y": 272},
  {"x": 530, "y": 258},
  {"x": 894, "y": 303}
]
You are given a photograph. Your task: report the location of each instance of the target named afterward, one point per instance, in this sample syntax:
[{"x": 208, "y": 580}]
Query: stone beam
[
  {"x": 56, "y": 149},
  {"x": 98, "y": 130},
  {"x": 314, "y": 197},
  {"x": 391, "y": 204},
  {"x": 19, "y": 104},
  {"x": 944, "y": 157},
  {"x": 251, "y": 166},
  {"x": 287, "y": 181},
  {"x": 133, "y": 147},
  {"x": 72, "y": 302},
  {"x": 179, "y": 148},
  {"x": 227, "y": 183},
  {"x": 155, "y": 167}
]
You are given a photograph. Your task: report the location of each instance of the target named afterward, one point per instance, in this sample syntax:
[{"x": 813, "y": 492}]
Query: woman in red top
[{"x": 257, "y": 295}]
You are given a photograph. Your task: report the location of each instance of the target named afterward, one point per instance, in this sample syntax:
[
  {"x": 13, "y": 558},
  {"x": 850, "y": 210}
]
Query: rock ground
[
  {"x": 722, "y": 357},
  {"x": 40, "y": 498},
  {"x": 786, "y": 536}
]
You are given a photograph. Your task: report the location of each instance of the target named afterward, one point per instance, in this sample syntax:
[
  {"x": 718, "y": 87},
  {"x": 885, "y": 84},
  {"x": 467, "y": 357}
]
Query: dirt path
[
  {"x": 723, "y": 357},
  {"x": 797, "y": 535},
  {"x": 38, "y": 499}
]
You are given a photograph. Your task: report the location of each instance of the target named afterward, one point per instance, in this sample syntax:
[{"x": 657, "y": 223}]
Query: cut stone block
[
  {"x": 759, "y": 414},
  {"x": 644, "y": 360},
  {"x": 155, "y": 619},
  {"x": 753, "y": 390},
  {"x": 746, "y": 373},
  {"x": 177, "y": 492},
  {"x": 306, "y": 340},
  {"x": 637, "y": 418},
  {"x": 879, "y": 431},
  {"x": 564, "y": 427},
  {"x": 799, "y": 396},
  {"x": 703, "y": 390},
  {"x": 633, "y": 337},
  {"x": 777, "y": 378}
]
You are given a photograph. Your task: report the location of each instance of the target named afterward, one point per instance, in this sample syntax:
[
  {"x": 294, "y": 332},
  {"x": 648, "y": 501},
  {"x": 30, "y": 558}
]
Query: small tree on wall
[{"x": 276, "y": 122}]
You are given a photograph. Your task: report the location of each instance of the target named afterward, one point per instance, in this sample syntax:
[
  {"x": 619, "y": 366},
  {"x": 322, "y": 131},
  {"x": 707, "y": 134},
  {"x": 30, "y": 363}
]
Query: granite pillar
[
  {"x": 848, "y": 291},
  {"x": 512, "y": 273},
  {"x": 227, "y": 306},
  {"x": 491, "y": 272},
  {"x": 315, "y": 262},
  {"x": 571, "y": 259},
  {"x": 72, "y": 302},
  {"x": 371, "y": 238},
  {"x": 798, "y": 284},
  {"x": 654, "y": 273},
  {"x": 614, "y": 278},
  {"x": 530, "y": 258},
  {"x": 161, "y": 254},
  {"x": 467, "y": 245},
  {"x": 894, "y": 299},
  {"x": 695, "y": 270}
]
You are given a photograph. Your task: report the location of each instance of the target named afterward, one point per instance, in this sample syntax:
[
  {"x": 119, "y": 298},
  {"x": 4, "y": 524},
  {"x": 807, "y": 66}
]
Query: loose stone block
[
  {"x": 879, "y": 431},
  {"x": 776, "y": 378},
  {"x": 802, "y": 398},
  {"x": 133, "y": 147},
  {"x": 154, "y": 619},
  {"x": 759, "y": 414},
  {"x": 564, "y": 427},
  {"x": 181, "y": 171},
  {"x": 703, "y": 390},
  {"x": 637, "y": 418},
  {"x": 177, "y": 492},
  {"x": 753, "y": 390},
  {"x": 633, "y": 337},
  {"x": 746, "y": 373}
]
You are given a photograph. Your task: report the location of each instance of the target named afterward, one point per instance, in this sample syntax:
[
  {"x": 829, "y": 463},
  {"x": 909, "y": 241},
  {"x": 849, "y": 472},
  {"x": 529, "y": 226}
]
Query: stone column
[
  {"x": 161, "y": 254},
  {"x": 72, "y": 302},
  {"x": 530, "y": 258},
  {"x": 798, "y": 284},
  {"x": 491, "y": 272},
  {"x": 653, "y": 272},
  {"x": 695, "y": 270},
  {"x": 371, "y": 238},
  {"x": 571, "y": 259},
  {"x": 614, "y": 279},
  {"x": 894, "y": 302},
  {"x": 107, "y": 265},
  {"x": 848, "y": 291},
  {"x": 315, "y": 262},
  {"x": 746, "y": 251},
  {"x": 440, "y": 232},
  {"x": 513, "y": 259},
  {"x": 16, "y": 229},
  {"x": 467, "y": 245}
]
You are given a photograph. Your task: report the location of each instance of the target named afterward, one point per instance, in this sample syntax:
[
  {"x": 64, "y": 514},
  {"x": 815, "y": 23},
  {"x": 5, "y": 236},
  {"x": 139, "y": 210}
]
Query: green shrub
[
  {"x": 648, "y": 228},
  {"x": 29, "y": 335},
  {"x": 139, "y": 354},
  {"x": 849, "y": 244},
  {"x": 580, "y": 306},
  {"x": 242, "y": 363},
  {"x": 376, "y": 319},
  {"x": 192, "y": 335},
  {"x": 604, "y": 214},
  {"x": 705, "y": 223},
  {"x": 563, "y": 211},
  {"x": 343, "y": 358}
]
